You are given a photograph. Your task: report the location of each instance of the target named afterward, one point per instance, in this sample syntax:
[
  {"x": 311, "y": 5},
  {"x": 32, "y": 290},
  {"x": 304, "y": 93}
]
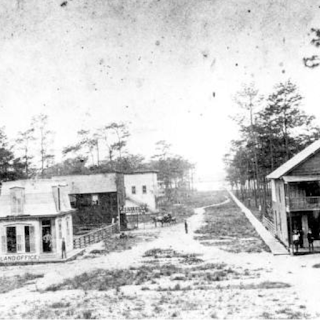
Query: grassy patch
[
  {"x": 60, "y": 304},
  {"x": 162, "y": 253},
  {"x": 102, "y": 279},
  {"x": 229, "y": 221},
  {"x": 273, "y": 285},
  {"x": 169, "y": 253},
  {"x": 11, "y": 283},
  {"x": 206, "y": 198},
  {"x": 291, "y": 314}
]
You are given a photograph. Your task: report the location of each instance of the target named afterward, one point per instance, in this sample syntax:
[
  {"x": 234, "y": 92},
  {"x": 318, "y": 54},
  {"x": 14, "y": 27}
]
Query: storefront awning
[{"x": 288, "y": 179}]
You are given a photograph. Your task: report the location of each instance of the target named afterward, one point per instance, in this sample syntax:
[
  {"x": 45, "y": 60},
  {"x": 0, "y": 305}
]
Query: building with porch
[
  {"x": 295, "y": 189},
  {"x": 35, "y": 218}
]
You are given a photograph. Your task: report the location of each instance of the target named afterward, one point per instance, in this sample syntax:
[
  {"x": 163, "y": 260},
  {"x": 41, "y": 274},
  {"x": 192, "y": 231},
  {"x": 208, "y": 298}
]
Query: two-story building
[
  {"x": 111, "y": 197},
  {"x": 35, "y": 217},
  {"x": 141, "y": 190},
  {"x": 295, "y": 190},
  {"x": 96, "y": 196}
]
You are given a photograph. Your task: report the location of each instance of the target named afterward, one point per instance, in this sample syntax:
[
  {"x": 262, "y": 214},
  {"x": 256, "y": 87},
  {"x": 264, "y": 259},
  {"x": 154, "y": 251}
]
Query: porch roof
[{"x": 288, "y": 179}]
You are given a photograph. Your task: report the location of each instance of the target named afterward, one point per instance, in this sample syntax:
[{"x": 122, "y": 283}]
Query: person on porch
[
  {"x": 47, "y": 238},
  {"x": 301, "y": 233},
  {"x": 310, "y": 240},
  {"x": 296, "y": 240}
]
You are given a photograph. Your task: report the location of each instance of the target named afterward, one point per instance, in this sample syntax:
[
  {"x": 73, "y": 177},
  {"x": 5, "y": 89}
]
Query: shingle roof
[{"x": 295, "y": 161}]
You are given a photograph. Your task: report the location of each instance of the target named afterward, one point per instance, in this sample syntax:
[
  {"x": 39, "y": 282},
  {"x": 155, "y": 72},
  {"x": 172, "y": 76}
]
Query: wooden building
[
  {"x": 111, "y": 197},
  {"x": 295, "y": 188},
  {"x": 141, "y": 191},
  {"x": 96, "y": 197},
  {"x": 35, "y": 218}
]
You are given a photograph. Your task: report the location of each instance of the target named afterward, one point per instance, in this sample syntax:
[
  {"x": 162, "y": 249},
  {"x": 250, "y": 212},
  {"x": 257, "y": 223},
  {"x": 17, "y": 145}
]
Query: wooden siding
[
  {"x": 279, "y": 211},
  {"x": 310, "y": 167}
]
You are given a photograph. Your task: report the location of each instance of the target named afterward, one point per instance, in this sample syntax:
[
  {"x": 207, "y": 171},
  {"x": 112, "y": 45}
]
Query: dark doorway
[{"x": 314, "y": 224}]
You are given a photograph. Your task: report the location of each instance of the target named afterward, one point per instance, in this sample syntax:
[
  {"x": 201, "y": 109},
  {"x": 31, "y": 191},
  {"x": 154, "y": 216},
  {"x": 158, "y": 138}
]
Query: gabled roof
[{"x": 295, "y": 161}]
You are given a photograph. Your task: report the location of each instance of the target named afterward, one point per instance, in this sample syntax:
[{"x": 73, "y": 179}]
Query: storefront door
[{"x": 46, "y": 236}]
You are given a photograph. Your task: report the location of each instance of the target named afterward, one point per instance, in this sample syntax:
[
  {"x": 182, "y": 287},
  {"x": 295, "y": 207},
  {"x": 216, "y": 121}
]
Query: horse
[{"x": 167, "y": 218}]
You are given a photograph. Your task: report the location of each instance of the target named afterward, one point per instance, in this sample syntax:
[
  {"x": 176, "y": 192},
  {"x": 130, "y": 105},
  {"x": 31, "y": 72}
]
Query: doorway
[{"x": 46, "y": 236}]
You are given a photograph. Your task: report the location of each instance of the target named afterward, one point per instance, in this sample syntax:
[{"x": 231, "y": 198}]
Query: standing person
[
  {"x": 47, "y": 242},
  {"x": 301, "y": 233},
  {"x": 186, "y": 226},
  {"x": 310, "y": 240},
  {"x": 296, "y": 240},
  {"x": 63, "y": 249}
]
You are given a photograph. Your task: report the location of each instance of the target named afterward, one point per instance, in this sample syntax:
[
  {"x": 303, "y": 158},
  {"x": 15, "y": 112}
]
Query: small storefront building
[{"x": 35, "y": 221}]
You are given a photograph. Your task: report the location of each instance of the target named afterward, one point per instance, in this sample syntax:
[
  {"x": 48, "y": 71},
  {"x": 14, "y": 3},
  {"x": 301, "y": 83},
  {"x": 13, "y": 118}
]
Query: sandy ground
[{"x": 240, "y": 297}]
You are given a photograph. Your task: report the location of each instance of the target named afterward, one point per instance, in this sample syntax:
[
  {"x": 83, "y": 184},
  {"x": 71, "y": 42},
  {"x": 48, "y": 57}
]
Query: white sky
[{"x": 153, "y": 64}]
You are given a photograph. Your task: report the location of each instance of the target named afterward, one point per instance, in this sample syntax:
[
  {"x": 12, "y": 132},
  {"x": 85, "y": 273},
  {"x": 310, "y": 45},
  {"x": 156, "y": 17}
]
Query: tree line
[
  {"x": 272, "y": 130},
  {"x": 99, "y": 150}
]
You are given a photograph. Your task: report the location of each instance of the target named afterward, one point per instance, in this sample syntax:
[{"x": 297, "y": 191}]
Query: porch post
[
  {"x": 305, "y": 228},
  {"x": 290, "y": 223}
]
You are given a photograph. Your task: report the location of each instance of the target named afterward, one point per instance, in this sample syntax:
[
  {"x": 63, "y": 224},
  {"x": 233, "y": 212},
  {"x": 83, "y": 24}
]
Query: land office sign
[{"x": 19, "y": 258}]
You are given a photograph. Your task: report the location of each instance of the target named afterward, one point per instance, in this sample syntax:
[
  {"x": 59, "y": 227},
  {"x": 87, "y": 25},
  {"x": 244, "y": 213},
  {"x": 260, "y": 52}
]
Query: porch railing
[
  {"x": 95, "y": 236},
  {"x": 303, "y": 203},
  {"x": 269, "y": 225}
]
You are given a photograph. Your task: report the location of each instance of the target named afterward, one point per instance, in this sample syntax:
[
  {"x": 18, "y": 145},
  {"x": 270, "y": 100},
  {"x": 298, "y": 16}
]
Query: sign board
[
  {"x": 134, "y": 210},
  {"x": 19, "y": 258}
]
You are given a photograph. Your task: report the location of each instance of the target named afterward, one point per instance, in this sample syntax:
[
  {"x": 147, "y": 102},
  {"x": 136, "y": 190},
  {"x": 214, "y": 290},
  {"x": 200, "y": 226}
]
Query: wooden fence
[
  {"x": 269, "y": 225},
  {"x": 95, "y": 236}
]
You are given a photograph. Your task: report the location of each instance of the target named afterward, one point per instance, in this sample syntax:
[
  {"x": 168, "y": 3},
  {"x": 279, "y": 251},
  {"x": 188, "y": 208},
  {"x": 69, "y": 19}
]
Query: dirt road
[{"x": 182, "y": 279}]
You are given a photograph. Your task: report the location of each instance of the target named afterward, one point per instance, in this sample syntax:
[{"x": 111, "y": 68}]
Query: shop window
[
  {"x": 133, "y": 190},
  {"x": 11, "y": 240},
  {"x": 18, "y": 239},
  {"x": 144, "y": 189},
  {"x": 17, "y": 200}
]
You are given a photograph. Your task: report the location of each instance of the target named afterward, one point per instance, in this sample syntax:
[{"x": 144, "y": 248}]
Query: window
[
  {"x": 73, "y": 200},
  {"x": 144, "y": 189},
  {"x": 60, "y": 228},
  {"x": 133, "y": 190},
  {"x": 18, "y": 239},
  {"x": 95, "y": 200},
  {"x": 11, "y": 240},
  {"x": 17, "y": 200},
  {"x": 68, "y": 229},
  {"x": 29, "y": 239}
]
